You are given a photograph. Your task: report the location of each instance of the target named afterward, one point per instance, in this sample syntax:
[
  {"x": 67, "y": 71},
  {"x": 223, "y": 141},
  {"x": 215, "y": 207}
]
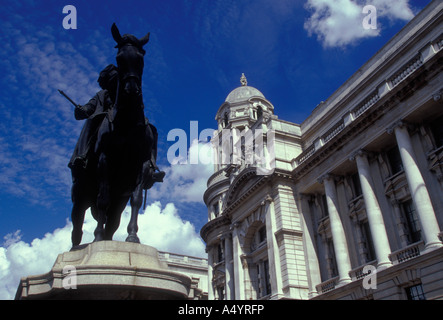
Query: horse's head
[{"x": 130, "y": 60}]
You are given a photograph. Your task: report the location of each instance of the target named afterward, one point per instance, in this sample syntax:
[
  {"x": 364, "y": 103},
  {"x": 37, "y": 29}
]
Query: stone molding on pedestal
[{"x": 107, "y": 270}]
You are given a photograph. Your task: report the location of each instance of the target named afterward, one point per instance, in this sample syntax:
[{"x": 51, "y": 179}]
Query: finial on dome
[{"x": 243, "y": 80}]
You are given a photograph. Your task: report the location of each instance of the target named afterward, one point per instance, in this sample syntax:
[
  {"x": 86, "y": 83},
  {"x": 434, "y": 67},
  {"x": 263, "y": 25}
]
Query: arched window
[
  {"x": 220, "y": 253},
  {"x": 259, "y": 263},
  {"x": 225, "y": 120},
  {"x": 259, "y": 238},
  {"x": 259, "y": 112}
]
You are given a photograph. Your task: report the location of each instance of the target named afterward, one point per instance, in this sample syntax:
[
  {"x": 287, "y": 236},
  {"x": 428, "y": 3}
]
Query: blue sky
[{"x": 297, "y": 53}]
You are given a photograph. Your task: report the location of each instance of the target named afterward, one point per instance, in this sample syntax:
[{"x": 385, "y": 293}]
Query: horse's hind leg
[
  {"x": 136, "y": 203},
  {"x": 102, "y": 208},
  {"x": 103, "y": 200},
  {"x": 114, "y": 215}
]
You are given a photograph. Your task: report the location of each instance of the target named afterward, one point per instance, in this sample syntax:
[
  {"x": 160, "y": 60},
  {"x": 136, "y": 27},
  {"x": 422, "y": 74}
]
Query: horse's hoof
[
  {"x": 75, "y": 247},
  {"x": 133, "y": 238},
  {"x": 76, "y": 237},
  {"x": 99, "y": 236},
  {"x": 79, "y": 247}
]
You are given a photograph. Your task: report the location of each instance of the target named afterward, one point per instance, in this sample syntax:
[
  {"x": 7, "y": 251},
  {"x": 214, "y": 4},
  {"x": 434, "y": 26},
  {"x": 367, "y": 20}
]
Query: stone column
[
  {"x": 338, "y": 233},
  {"x": 373, "y": 211},
  {"x": 239, "y": 278},
  {"x": 417, "y": 187}
]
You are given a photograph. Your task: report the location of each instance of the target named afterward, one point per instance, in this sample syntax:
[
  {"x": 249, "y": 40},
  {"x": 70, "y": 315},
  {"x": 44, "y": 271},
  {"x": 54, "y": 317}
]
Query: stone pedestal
[{"x": 107, "y": 270}]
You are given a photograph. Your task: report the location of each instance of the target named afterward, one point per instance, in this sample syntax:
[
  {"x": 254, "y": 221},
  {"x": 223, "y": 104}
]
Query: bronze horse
[
  {"x": 124, "y": 157},
  {"x": 122, "y": 143}
]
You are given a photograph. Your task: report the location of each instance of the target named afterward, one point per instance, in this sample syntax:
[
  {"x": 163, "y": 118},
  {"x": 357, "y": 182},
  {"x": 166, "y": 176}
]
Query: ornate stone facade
[{"x": 357, "y": 184}]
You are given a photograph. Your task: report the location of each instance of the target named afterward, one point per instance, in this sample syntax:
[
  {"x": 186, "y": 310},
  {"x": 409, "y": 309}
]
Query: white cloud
[
  {"x": 398, "y": 9},
  {"x": 338, "y": 23},
  {"x": 19, "y": 258},
  {"x": 165, "y": 230},
  {"x": 159, "y": 227},
  {"x": 186, "y": 182}
]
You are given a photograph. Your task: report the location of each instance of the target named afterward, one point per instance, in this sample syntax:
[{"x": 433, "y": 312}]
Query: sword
[{"x": 69, "y": 99}]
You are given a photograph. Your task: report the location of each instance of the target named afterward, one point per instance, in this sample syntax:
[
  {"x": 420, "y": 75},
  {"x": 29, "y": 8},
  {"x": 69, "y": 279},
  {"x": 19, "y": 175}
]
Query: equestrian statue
[{"x": 115, "y": 156}]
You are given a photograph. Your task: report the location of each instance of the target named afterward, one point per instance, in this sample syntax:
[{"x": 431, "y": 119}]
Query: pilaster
[
  {"x": 273, "y": 250},
  {"x": 313, "y": 267},
  {"x": 239, "y": 276}
]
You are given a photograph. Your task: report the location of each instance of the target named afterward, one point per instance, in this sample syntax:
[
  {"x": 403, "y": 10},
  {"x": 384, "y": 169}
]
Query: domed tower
[
  {"x": 242, "y": 120},
  {"x": 243, "y": 107},
  {"x": 249, "y": 190}
]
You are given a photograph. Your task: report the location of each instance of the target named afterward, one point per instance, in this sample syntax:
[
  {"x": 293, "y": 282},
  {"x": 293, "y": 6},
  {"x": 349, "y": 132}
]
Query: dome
[{"x": 243, "y": 93}]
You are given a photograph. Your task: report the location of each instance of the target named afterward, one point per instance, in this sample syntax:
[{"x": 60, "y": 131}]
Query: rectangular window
[
  {"x": 332, "y": 263},
  {"x": 412, "y": 222},
  {"x": 220, "y": 255},
  {"x": 324, "y": 206},
  {"x": 221, "y": 293},
  {"x": 264, "y": 280},
  {"x": 262, "y": 234},
  {"x": 437, "y": 131},
  {"x": 394, "y": 159},
  {"x": 267, "y": 279},
  {"x": 366, "y": 232},
  {"x": 216, "y": 208},
  {"x": 415, "y": 292},
  {"x": 356, "y": 184}
]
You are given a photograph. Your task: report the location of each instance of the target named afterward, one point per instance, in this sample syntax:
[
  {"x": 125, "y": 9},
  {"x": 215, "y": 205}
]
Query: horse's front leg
[
  {"x": 83, "y": 196},
  {"x": 79, "y": 206},
  {"x": 77, "y": 217},
  {"x": 136, "y": 203}
]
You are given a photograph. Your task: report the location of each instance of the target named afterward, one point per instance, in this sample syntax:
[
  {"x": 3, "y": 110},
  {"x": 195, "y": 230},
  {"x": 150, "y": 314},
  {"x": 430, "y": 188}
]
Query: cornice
[
  {"x": 213, "y": 224},
  {"x": 208, "y": 195},
  {"x": 278, "y": 174},
  {"x": 229, "y": 204}
]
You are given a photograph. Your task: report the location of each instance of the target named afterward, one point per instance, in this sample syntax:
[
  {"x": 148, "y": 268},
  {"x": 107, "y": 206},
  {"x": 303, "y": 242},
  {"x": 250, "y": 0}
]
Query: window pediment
[{"x": 242, "y": 185}]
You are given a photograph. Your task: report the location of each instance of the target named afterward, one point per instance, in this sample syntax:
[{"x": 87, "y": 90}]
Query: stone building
[
  {"x": 194, "y": 267},
  {"x": 347, "y": 204}
]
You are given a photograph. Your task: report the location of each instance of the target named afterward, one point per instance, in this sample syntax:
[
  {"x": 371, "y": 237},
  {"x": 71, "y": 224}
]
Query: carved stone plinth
[{"x": 107, "y": 270}]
